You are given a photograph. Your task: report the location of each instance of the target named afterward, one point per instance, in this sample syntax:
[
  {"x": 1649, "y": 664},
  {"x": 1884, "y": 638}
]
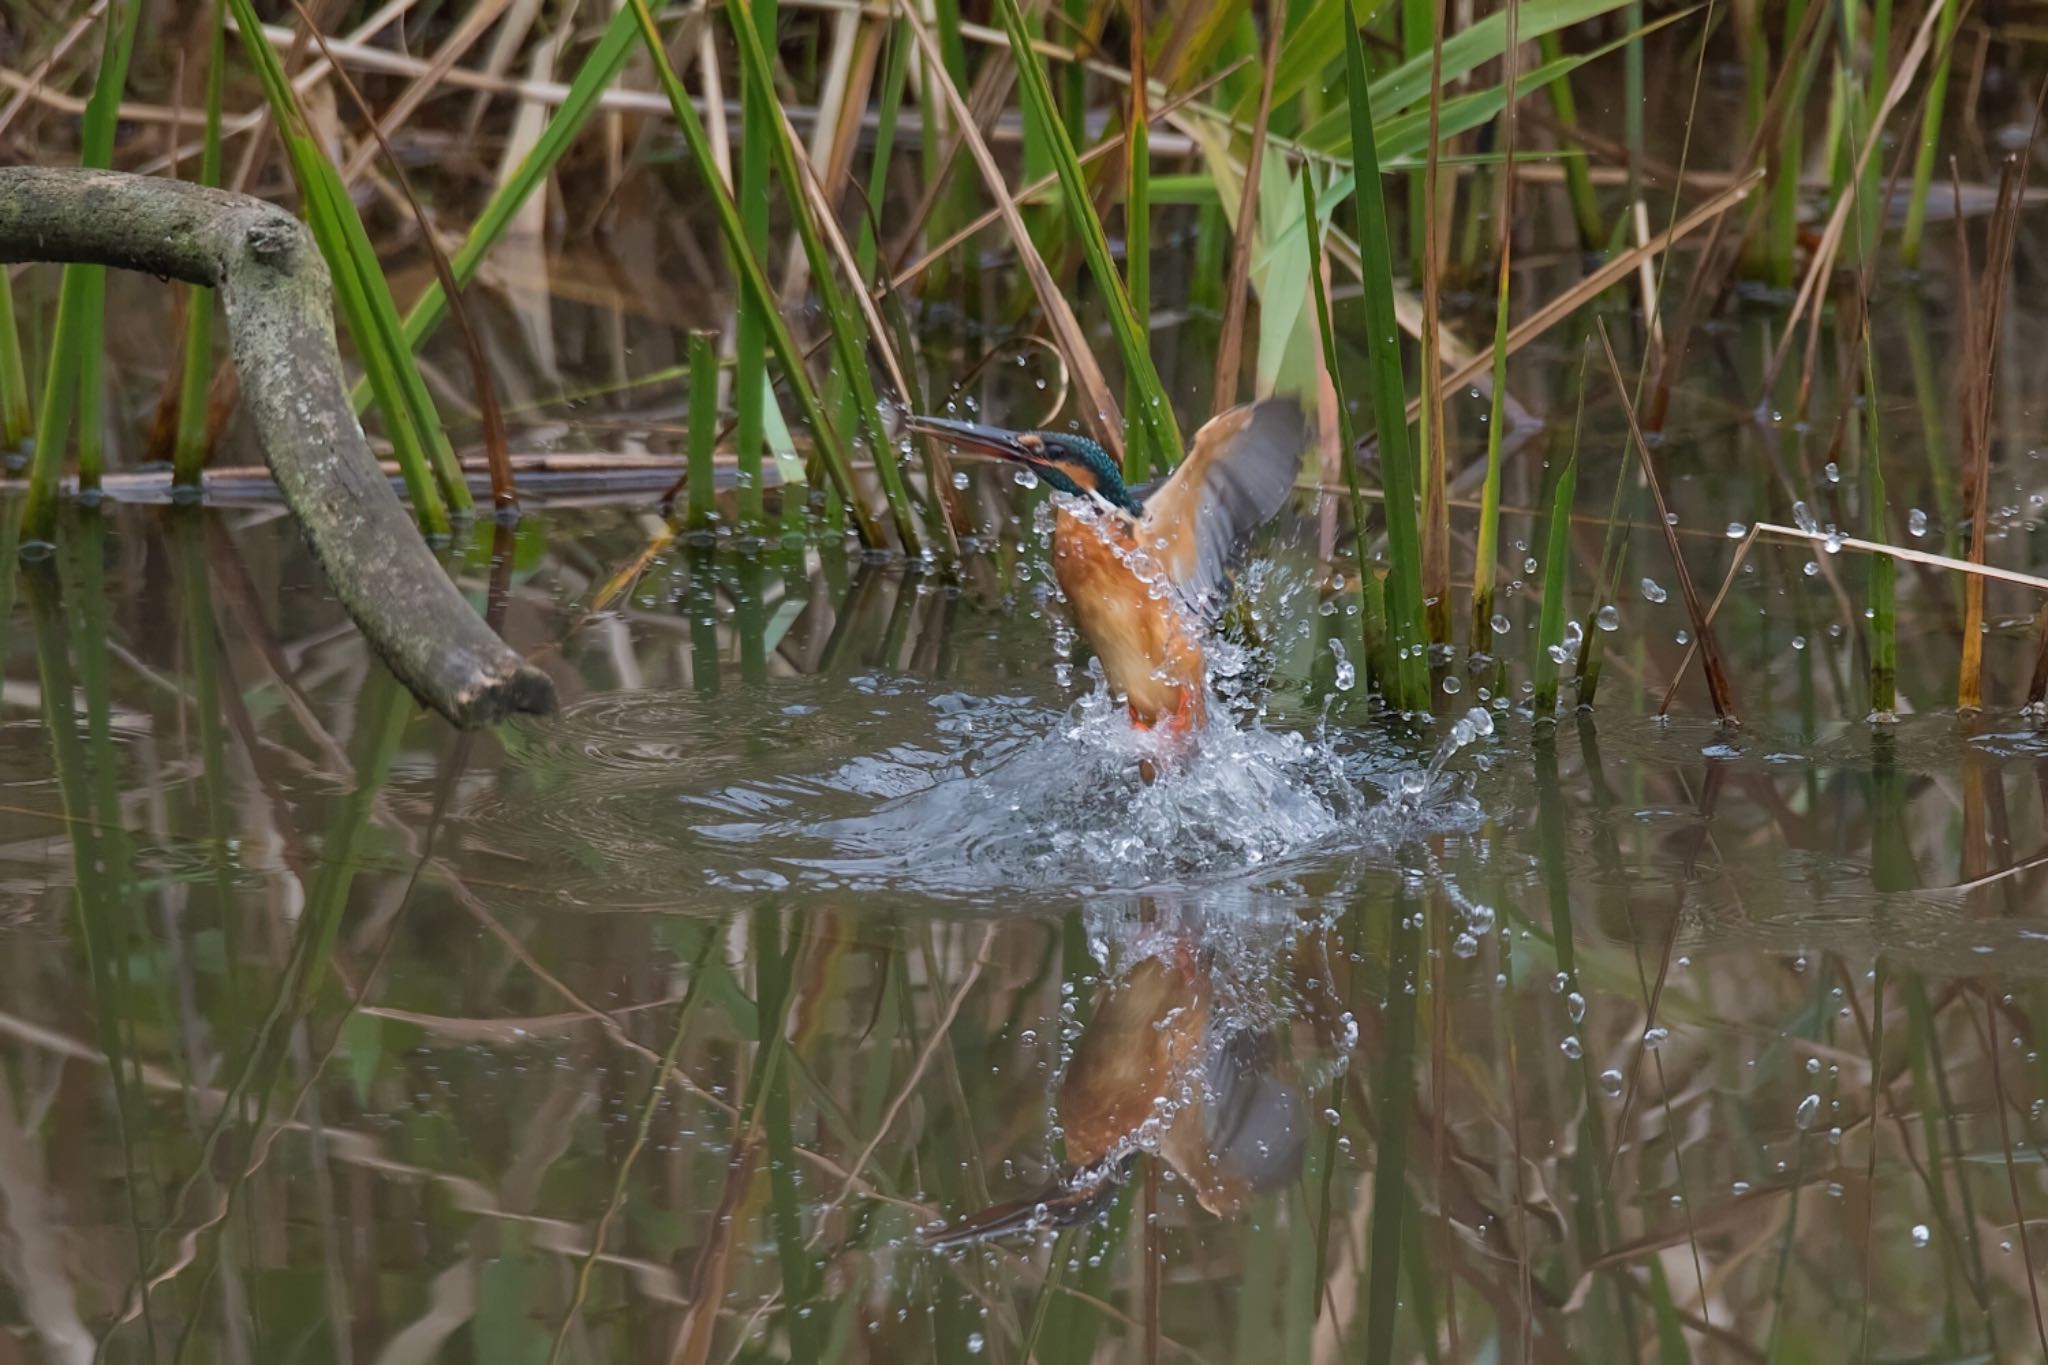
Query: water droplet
[
  {"x": 1803, "y": 518},
  {"x": 1451, "y": 684},
  {"x": 1683, "y": 637},
  {"x": 1575, "y": 1007},
  {"x": 1812, "y": 567},
  {"x": 1652, "y": 592},
  {"x": 1921, "y": 1235},
  {"x": 1655, "y": 1037},
  {"x": 1570, "y": 1047},
  {"x": 1736, "y": 530},
  {"x": 960, "y": 479},
  {"x": 1608, "y": 618},
  {"x": 1833, "y": 543},
  {"x": 1610, "y": 1083},
  {"x": 1025, "y": 478},
  {"x": 975, "y": 1343},
  {"x": 1499, "y": 624},
  {"x": 1916, "y": 523},
  {"x": 1808, "y": 1111},
  {"x": 1465, "y": 945},
  {"x": 1831, "y": 472}
]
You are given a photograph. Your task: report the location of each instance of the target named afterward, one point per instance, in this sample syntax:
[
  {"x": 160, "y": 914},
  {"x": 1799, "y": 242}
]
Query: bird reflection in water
[{"x": 1165, "y": 1066}]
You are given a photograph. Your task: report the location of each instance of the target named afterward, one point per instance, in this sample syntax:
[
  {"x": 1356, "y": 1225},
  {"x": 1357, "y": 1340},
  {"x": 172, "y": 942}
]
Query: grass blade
[
  {"x": 1410, "y": 691},
  {"x": 1391, "y": 1114},
  {"x": 750, "y": 330},
  {"x": 1485, "y": 550},
  {"x": 1436, "y": 493},
  {"x": 1718, "y": 690},
  {"x": 748, "y": 266},
  {"x": 657, "y": 1086},
  {"x": 843, "y": 320},
  {"x": 427, "y": 463},
  {"x": 1930, "y": 135},
  {"x": 1372, "y": 599},
  {"x": 189, "y": 445},
  {"x": 591, "y": 80},
  {"x": 1155, "y": 418},
  {"x": 1557, "y": 571},
  {"x": 703, "y": 430},
  {"x": 1884, "y": 627},
  {"x": 1098, "y": 408},
  {"x": 1138, "y": 241},
  {"x": 1231, "y": 342},
  {"x": 72, "y": 384},
  {"x": 17, "y": 421},
  {"x": 1984, "y": 320},
  {"x": 504, "y": 495},
  {"x": 101, "y": 893},
  {"x": 1578, "y": 180}
]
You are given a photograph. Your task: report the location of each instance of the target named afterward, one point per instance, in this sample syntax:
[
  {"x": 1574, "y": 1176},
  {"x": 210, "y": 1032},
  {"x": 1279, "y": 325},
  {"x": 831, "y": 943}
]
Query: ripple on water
[{"x": 626, "y": 802}]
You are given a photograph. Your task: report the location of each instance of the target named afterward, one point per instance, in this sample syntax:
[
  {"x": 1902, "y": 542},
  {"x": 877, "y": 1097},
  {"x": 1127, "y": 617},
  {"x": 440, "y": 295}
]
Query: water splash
[{"x": 1069, "y": 810}]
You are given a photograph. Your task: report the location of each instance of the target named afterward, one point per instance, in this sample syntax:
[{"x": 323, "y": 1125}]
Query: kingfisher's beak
[{"x": 1022, "y": 447}]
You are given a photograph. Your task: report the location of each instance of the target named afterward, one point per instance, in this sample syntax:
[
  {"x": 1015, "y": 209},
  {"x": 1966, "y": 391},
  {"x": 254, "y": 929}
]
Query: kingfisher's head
[{"x": 1068, "y": 461}]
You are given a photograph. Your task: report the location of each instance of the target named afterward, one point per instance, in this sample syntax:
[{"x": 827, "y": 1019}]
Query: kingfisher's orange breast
[{"x": 1150, "y": 651}]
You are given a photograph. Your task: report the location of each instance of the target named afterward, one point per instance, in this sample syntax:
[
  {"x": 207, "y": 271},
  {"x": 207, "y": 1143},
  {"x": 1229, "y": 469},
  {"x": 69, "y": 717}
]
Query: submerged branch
[{"x": 275, "y": 288}]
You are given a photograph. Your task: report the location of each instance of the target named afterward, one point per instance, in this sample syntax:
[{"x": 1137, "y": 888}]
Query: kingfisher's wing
[{"x": 1236, "y": 475}]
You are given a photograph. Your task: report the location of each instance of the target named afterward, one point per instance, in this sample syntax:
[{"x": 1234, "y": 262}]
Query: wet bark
[{"x": 275, "y": 288}]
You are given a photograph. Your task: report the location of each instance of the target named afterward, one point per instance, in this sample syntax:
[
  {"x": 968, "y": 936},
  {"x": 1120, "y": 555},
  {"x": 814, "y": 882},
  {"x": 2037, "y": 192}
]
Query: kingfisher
[{"x": 1145, "y": 570}]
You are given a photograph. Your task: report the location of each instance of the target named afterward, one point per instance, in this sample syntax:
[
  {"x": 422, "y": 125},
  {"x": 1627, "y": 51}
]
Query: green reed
[
  {"x": 758, "y": 114},
  {"x": 189, "y": 446},
  {"x": 754, "y": 281},
  {"x": 703, "y": 438},
  {"x": 1556, "y": 579},
  {"x": 596, "y": 73},
  {"x": 895, "y": 75},
  {"x": 1485, "y": 550},
  {"x": 848, "y": 332},
  {"x": 72, "y": 385},
  {"x": 1393, "y": 1102},
  {"x": 1154, "y": 421},
  {"x": 426, "y": 461},
  {"x": 186, "y": 535},
  {"x": 1138, "y": 459},
  {"x": 1377, "y": 662},
  {"x": 1578, "y": 176},
  {"x": 1781, "y": 234},
  {"x": 1410, "y": 691},
  {"x": 17, "y": 417},
  {"x": 1913, "y": 233},
  {"x": 1884, "y": 626},
  {"x": 103, "y": 894}
]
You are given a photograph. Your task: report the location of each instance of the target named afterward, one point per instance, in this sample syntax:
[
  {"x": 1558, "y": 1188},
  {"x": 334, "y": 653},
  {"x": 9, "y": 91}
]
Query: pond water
[
  {"x": 825, "y": 983},
  {"x": 384, "y": 1005}
]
